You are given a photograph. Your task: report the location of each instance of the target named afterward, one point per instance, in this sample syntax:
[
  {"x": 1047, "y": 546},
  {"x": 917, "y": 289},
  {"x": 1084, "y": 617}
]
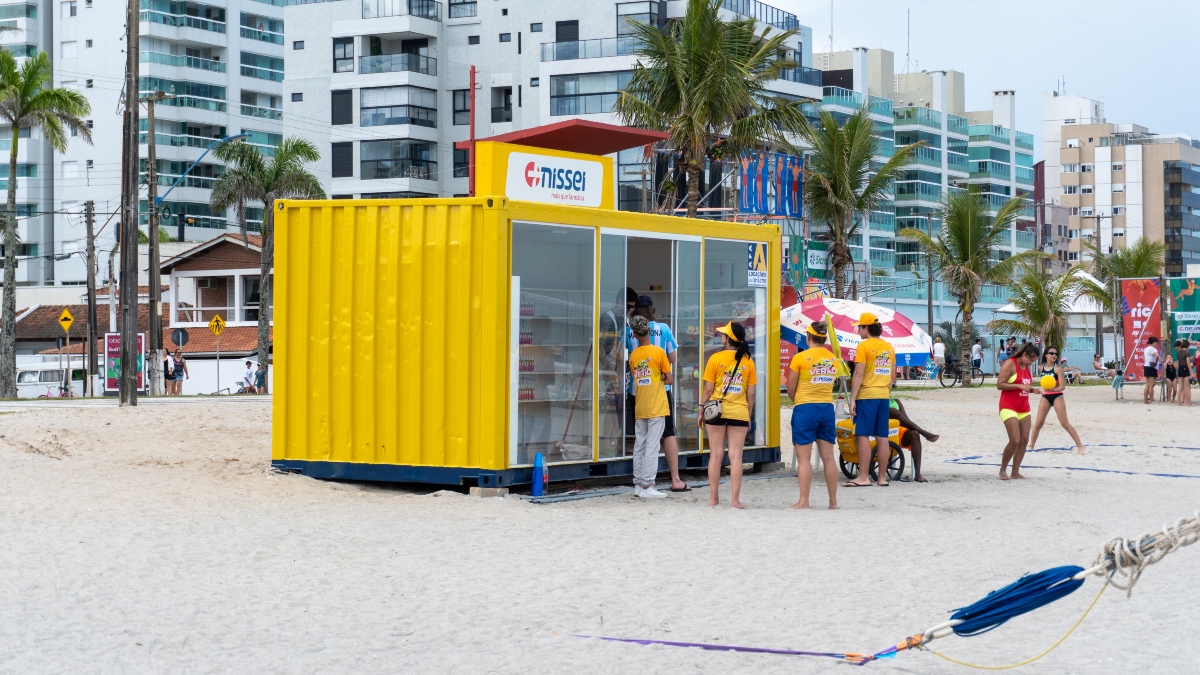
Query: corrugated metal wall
[{"x": 391, "y": 341}]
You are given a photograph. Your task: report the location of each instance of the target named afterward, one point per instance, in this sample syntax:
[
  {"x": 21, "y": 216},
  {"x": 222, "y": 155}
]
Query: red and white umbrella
[{"x": 913, "y": 345}]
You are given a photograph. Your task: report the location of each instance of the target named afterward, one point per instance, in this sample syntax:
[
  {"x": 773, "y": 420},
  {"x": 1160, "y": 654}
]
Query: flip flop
[
  {"x": 685, "y": 488},
  {"x": 883, "y": 484},
  {"x": 853, "y": 484}
]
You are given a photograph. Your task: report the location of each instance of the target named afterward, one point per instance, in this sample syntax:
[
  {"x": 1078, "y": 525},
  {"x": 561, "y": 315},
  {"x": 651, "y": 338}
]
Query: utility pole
[
  {"x": 89, "y": 216},
  {"x": 471, "y": 154},
  {"x": 129, "y": 213},
  {"x": 155, "y": 324}
]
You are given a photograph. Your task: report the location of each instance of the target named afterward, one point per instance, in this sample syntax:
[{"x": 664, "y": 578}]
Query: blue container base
[{"x": 447, "y": 475}]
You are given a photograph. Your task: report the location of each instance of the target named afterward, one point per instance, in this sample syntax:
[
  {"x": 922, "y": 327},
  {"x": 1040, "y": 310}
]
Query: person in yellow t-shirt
[
  {"x": 651, "y": 372},
  {"x": 810, "y": 386},
  {"x": 870, "y": 389},
  {"x": 729, "y": 377}
]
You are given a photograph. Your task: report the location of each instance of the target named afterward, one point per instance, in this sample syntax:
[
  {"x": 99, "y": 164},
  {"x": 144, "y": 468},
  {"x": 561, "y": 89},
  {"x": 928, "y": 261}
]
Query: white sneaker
[{"x": 651, "y": 493}]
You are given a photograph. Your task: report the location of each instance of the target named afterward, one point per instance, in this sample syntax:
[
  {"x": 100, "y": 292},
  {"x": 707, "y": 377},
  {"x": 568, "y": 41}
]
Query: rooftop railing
[
  {"x": 926, "y": 117},
  {"x": 1024, "y": 140},
  {"x": 772, "y": 16},
  {"x": 842, "y": 97},
  {"x": 880, "y": 106},
  {"x": 802, "y": 75}
]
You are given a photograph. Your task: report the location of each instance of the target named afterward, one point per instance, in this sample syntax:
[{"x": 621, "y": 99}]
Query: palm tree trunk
[
  {"x": 8, "y": 321},
  {"x": 837, "y": 260},
  {"x": 693, "y": 179},
  {"x": 264, "y": 282},
  {"x": 965, "y": 348}
]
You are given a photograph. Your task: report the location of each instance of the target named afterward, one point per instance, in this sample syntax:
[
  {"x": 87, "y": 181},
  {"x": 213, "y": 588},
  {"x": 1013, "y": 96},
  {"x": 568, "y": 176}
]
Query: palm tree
[
  {"x": 703, "y": 81},
  {"x": 1144, "y": 258},
  {"x": 952, "y": 335},
  {"x": 841, "y": 188},
  {"x": 1042, "y": 303},
  {"x": 965, "y": 252},
  {"x": 27, "y": 100},
  {"x": 252, "y": 177}
]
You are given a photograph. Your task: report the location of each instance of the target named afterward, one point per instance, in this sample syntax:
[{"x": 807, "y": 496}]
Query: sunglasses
[{"x": 1051, "y": 353}]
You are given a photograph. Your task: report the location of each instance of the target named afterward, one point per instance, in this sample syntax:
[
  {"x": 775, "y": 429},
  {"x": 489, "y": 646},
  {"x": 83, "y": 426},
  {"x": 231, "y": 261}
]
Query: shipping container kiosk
[{"x": 450, "y": 340}]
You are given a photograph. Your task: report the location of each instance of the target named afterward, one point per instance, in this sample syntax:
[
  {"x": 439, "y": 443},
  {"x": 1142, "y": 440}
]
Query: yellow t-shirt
[
  {"x": 817, "y": 374},
  {"x": 720, "y": 371},
  {"x": 649, "y": 364},
  {"x": 877, "y": 359}
]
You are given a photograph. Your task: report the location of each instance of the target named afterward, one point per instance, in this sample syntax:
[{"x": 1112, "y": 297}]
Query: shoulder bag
[{"x": 712, "y": 408}]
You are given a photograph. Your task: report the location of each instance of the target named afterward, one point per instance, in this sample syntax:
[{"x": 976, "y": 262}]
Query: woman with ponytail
[{"x": 729, "y": 380}]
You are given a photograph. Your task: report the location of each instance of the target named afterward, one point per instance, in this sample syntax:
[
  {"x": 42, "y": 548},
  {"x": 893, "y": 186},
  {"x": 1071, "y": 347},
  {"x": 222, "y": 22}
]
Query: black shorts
[
  {"x": 1051, "y": 398},
  {"x": 722, "y": 422},
  {"x": 669, "y": 425},
  {"x": 1149, "y": 373},
  {"x": 1184, "y": 372}
]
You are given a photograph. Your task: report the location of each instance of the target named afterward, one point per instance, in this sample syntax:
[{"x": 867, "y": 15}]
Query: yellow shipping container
[{"x": 451, "y": 340}]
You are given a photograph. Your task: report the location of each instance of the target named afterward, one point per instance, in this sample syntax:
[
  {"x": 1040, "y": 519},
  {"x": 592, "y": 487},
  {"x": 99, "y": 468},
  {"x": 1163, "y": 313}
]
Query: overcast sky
[{"x": 1136, "y": 57}]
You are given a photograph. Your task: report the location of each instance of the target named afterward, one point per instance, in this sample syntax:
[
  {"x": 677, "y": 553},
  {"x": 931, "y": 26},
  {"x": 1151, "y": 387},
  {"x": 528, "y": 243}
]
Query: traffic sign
[
  {"x": 216, "y": 325},
  {"x": 1037, "y": 340},
  {"x": 65, "y": 320},
  {"x": 179, "y": 336}
]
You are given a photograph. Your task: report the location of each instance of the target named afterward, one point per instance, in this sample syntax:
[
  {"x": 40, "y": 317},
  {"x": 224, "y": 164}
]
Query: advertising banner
[
  {"x": 1185, "y": 309},
  {"x": 112, "y": 361},
  {"x": 554, "y": 180},
  {"x": 1141, "y": 315},
  {"x": 770, "y": 184}
]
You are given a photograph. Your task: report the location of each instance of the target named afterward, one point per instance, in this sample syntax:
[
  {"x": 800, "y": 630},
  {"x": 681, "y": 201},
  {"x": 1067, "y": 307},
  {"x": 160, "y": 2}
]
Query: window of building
[
  {"x": 506, "y": 37},
  {"x": 472, "y": 39},
  {"x": 262, "y": 67},
  {"x": 68, "y": 50},
  {"x": 87, "y": 84},
  {"x": 87, "y": 44},
  {"x": 68, "y": 9},
  {"x": 586, "y": 93},
  {"x": 1118, "y": 210},
  {"x": 566, "y": 31},
  {"x": 298, "y": 44},
  {"x": 1118, "y": 187},
  {"x": 462, "y": 162},
  {"x": 1091, "y": 139},
  {"x": 1085, "y": 211},
  {"x": 1072, "y": 142},
  {"x": 88, "y": 124},
  {"x": 399, "y": 158},
  {"x": 461, "y": 106},
  {"x": 1072, "y": 234},
  {"x": 386, "y": 106},
  {"x": 641, "y": 12},
  {"x": 297, "y": 97},
  {"x": 1073, "y": 211},
  {"x": 341, "y": 107},
  {"x": 1085, "y": 189},
  {"x": 1087, "y": 168},
  {"x": 535, "y": 28},
  {"x": 1118, "y": 233},
  {"x": 535, "y": 81},
  {"x": 1070, "y": 189},
  {"x": 1070, "y": 168},
  {"x": 343, "y": 160},
  {"x": 343, "y": 55},
  {"x": 1072, "y": 256},
  {"x": 1118, "y": 166},
  {"x": 1069, "y": 121},
  {"x": 504, "y": 12}
]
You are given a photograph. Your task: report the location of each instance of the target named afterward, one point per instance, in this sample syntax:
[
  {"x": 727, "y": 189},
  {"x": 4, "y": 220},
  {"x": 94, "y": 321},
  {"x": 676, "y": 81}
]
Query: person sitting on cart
[
  {"x": 870, "y": 391},
  {"x": 911, "y": 438}
]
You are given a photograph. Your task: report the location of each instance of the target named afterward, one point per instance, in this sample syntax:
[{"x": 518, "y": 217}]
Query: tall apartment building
[
  {"x": 1058, "y": 110},
  {"x": 224, "y": 63},
  {"x": 382, "y": 86},
  {"x": 962, "y": 147}
]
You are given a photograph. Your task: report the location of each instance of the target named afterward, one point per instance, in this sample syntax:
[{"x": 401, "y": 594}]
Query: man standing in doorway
[
  {"x": 661, "y": 336},
  {"x": 875, "y": 363},
  {"x": 1150, "y": 358}
]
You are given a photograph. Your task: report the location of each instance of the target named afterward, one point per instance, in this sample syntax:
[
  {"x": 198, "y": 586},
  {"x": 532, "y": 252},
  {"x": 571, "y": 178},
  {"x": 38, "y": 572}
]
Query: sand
[{"x": 158, "y": 540}]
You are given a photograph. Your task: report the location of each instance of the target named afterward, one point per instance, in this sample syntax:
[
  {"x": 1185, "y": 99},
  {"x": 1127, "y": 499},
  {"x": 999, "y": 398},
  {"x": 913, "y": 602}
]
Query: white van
[{"x": 45, "y": 380}]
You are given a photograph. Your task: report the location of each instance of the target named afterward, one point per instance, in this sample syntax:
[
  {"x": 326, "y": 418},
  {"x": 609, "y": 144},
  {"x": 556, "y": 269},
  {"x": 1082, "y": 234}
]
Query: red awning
[{"x": 575, "y": 135}]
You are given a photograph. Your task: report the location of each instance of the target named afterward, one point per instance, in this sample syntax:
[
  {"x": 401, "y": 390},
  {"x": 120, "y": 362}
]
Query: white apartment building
[
  {"x": 382, "y": 86},
  {"x": 1059, "y": 110},
  {"x": 223, "y": 61}
]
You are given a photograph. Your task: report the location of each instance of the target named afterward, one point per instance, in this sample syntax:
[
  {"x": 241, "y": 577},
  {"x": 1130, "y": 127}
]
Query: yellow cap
[
  {"x": 726, "y": 329},
  {"x": 866, "y": 319},
  {"x": 810, "y": 331}
]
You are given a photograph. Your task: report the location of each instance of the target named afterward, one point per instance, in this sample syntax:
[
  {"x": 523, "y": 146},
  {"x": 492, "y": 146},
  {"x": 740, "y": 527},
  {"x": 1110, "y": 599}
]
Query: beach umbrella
[{"x": 913, "y": 345}]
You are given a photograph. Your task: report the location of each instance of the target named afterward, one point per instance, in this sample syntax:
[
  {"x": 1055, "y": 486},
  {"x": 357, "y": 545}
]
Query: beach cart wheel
[
  {"x": 895, "y": 464},
  {"x": 849, "y": 469}
]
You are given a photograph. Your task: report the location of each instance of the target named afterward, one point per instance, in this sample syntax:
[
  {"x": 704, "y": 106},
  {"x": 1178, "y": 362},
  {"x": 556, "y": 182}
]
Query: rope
[
  {"x": 1124, "y": 560},
  {"x": 854, "y": 658},
  {"x": 1024, "y": 595},
  {"x": 1035, "y": 658}
]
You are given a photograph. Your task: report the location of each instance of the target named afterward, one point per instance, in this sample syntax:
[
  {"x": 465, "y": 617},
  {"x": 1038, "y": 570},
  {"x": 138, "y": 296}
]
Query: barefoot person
[
  {"x": 1015, "y": 382},
  {"x": 1183, "y": 391},
  {"x": 869, "y": 393},
  {"x": 912, "y": 436},
  {"x": 810, "y": 381},
  {"x": 729, "y": 377},
  {"x": 1150, "y": 359},
  {"x": 651, "y": 373},
  {"x": 1053, "y": 398}
]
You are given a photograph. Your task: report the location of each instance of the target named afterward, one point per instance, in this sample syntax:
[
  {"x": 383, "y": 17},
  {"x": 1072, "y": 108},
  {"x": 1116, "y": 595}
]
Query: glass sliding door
[
  {"x": 555, "y": 265},
  {"x": 728, "y": 296},
  {"x": 689, "y": 368},
  {"x": 611, "y": 319}
]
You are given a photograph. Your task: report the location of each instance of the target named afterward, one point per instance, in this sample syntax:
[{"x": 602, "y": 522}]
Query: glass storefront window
[
  {"x": 553, "y": 276},
  {"x": 689, "y": 366},
  {"x": 729, "y": 297}
]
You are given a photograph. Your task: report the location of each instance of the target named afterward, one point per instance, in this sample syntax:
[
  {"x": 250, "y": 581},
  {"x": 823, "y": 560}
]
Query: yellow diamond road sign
[
  {"x": 66, "y": 319},
  {"x": 217, "y": 325}
]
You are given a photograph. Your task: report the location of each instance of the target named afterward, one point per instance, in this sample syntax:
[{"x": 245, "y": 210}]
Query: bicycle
[
  {"x": 63, "y": 392},
  {"x": 951, "y": 374}
]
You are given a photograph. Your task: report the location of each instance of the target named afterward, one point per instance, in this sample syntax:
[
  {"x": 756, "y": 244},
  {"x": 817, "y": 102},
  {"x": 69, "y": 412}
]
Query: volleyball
[{"x": 1048, "y": 382}]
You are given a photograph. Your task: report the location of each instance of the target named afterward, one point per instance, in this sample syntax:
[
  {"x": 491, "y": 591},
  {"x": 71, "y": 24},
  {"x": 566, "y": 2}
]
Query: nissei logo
[{"x": 554, "y": 180}]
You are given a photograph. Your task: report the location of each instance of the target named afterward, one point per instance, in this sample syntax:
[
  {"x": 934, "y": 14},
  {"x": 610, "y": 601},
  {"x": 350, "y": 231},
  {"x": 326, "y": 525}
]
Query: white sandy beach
[{"x": 158, "y": 540}]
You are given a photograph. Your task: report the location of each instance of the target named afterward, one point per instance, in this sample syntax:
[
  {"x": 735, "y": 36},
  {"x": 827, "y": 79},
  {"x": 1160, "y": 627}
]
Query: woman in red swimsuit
[{"x": 1015, "y": 383}]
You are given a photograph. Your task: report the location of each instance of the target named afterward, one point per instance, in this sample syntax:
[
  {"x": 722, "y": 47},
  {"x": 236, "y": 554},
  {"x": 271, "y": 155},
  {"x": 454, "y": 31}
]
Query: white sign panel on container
[{"x": 554, "y": 180}]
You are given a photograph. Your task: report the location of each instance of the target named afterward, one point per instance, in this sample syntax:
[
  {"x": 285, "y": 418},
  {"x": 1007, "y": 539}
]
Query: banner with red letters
[{"x": 1141, "y": 314}]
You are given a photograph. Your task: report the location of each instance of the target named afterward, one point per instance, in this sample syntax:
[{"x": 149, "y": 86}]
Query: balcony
[
  {"x": 583, "y": 104},
  {"x": 400, "y": 114},
  {"x": 196, "y": 102},
  {"x": 261, "y": 35},
  {"x": 376, "y": 169},
  {"x": 397, "y": 63},
  {"x": 588, "y": 49},
  {"x": 913, "y": 115},
  {"x": 502, "y": 114},
  {"x": 987, "y": 132},
  {"x": 1024, "y": 140},
  {"x": 772, "y": 16},
  {"x": 801, "y": 75},
  {"x": 884, "y": 147},
  {"x": 880, "y": 106},
  {"x": 181, "y": 21},
  {"x": 176, "y": 140},
  {"x": 462, "y": 10},
  {"x": 841, "y": 97},
  {"x": 883, "y": 258},
  {"x": 957, "y": 125},
  {"x": 990, "y": 169},
  {"x": 264, "y": 113},
  {"x": 425, "y": 9},
  {"x": 1026, "y": 239},
  {"x": 182, "y": 61},
  {"x": 957, "y": 162},
  {"x": 1024, "y": 175},
  {"x": 926, "y": 156}
]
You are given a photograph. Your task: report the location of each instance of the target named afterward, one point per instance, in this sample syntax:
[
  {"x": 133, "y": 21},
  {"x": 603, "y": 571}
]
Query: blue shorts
[
  {"x": 871, "y": 418},
  {"x": 813, "y": 422}
]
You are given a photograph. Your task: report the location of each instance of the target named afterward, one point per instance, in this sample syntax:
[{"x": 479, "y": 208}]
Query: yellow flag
[{"x": 842, "y": 369}]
